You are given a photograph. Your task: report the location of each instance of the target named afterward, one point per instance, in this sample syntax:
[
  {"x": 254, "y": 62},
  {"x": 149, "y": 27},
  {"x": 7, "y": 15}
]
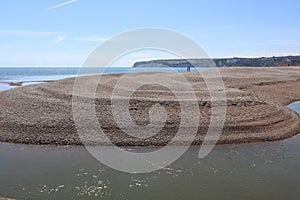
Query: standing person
[{"x": 188, "y": 69}]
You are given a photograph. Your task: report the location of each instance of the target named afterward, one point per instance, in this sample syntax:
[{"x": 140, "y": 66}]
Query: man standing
[{"x": 188, "y": 69}]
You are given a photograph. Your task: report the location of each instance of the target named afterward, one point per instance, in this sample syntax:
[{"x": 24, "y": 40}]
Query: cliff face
[{"x": 223, "y": 62}]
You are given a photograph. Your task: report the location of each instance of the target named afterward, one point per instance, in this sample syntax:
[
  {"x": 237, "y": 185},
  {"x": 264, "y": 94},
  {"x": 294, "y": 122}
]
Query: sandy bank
[{"x": 255, "y": 109}]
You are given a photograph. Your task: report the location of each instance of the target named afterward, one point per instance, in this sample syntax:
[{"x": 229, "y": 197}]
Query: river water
[{"x": 245, "y": 171}]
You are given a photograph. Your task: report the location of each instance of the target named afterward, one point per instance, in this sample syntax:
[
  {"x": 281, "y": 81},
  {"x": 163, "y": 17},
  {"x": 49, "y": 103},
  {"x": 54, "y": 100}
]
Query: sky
[{"x": 65, "y": 32}]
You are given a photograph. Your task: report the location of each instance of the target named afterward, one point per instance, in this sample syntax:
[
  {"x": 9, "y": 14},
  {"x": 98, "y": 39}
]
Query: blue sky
[{"x": 64, "y": 32}]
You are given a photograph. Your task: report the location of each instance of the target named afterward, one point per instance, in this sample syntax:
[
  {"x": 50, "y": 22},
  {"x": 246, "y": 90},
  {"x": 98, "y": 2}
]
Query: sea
[{"x": 35, "y": 75}]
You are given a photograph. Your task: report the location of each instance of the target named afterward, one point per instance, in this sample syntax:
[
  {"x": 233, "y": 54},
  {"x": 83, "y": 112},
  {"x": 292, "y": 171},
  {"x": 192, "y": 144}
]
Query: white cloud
[
  {"x": 61, "y": 38},
  {"x": 89, "y": 39},
  {"x": 40, "y": 60},
  {"x": 28, "y": 32},
  {"x": 62, "y": 4},
  {"x": 57, "y": 40}
]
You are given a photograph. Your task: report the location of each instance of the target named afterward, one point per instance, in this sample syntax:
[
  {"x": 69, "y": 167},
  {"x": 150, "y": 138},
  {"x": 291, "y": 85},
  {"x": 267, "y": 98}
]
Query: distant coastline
[{"x": 223, "y": 62}]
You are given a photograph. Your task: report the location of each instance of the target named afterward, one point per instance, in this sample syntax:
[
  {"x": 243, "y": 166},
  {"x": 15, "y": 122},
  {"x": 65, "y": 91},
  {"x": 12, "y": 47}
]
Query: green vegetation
[{"x": 223, "y": 62}]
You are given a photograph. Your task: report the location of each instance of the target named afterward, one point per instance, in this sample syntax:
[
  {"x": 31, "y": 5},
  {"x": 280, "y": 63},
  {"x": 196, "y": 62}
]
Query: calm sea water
[
  {"x": 33, "y": 74},
  {"x": 246, "y": 171}
]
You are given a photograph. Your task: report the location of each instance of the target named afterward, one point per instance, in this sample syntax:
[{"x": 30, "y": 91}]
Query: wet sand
[
  {"x": 20, "y": 83},
  {"x": 256, "y": 108}
]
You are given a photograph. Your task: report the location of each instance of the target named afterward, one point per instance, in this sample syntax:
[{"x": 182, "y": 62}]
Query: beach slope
[{"x": 256, "y": 108}]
